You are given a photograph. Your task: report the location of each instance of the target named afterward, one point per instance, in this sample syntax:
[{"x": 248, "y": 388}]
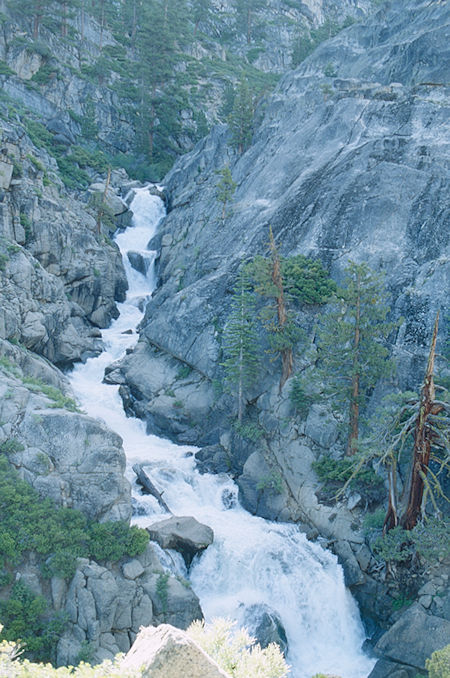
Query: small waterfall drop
[{"x": 252, "y": 561}]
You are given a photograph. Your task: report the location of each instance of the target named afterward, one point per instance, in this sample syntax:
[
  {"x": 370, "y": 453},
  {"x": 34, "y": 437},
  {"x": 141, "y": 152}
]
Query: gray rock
[
  {"x": 321, "y": 426},
  {"x": 132, "y": 569},
  {"x": 265, "y": 625},
  {"x": 182, "y": 533},
  {"x": 414, "y": 637},
  {"x": 166, "y": 652},
  {"x": 387, "y": 669}
]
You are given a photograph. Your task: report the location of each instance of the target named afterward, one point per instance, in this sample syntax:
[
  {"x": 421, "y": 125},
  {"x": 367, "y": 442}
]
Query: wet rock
[
  {"x": 184, "y": 534},
  {"x": 166, "y": 652},
  {"x": 265, "y": 625},
  {"x": 387, "y": 669}
]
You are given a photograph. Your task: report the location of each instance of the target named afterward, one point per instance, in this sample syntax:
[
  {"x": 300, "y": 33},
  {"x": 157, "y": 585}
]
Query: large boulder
[
  {"x": 167, "y": 652},
  {"x": 184, "y": 534},
  {"x": 414, "y": 637}
]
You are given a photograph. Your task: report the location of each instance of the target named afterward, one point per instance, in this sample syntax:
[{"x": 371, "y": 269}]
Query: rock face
[
  {"x": 166, "y": 652},
  {"x": 65, "y": 455},
  {"x": 413, "y": 638},
  {"x": 106, "y": 606},
  {"x": 60, "y": 278},
  {"x": 184, "y": 534},
  {"x": 348, "y": 166}
]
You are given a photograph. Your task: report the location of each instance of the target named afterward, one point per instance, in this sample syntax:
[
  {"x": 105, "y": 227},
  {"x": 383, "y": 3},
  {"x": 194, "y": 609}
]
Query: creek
[{"x": 253, "y": 564}]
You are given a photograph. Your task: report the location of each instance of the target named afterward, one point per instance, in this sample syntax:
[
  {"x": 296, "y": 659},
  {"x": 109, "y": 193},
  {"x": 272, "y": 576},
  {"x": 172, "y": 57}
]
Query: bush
[
  {"x": 26, "y": 617},
  {"x": 334, "y": 473},
  {"x": 57, "y": 535},
  {"x": 12, "y": 667},
  {"x": 236, "y": 652},
  {"x": 438, "y": 665},
  {"x": 301, "y": 400}
]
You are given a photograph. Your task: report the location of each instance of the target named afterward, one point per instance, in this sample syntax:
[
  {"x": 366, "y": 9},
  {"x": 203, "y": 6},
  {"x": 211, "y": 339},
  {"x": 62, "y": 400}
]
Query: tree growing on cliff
[
  {"x": 352, "y": 354},
  {"x": 240, "y": 345},
  {"x": 225, "y": 188},
  {"x": 284, "y": 283},
  {"x": 241, "y": 118},
  {"x": 417, "y": 425}
]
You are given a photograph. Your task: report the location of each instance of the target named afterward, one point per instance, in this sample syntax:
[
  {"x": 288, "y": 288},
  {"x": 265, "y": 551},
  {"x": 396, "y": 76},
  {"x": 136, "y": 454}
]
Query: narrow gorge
[{"x": 180, "y": 239}]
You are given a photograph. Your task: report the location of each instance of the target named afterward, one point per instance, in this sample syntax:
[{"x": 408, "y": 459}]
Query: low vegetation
[{"x": 57, "y": 537}]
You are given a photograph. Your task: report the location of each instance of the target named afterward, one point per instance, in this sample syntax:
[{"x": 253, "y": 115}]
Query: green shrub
[
  {"x": 5, "y": 69},
  {"x": 60, "y": 401},
  {"x": 334, "y": 473},
  {"x": 249, "y": 429},
  {"x": 236, "y": 652},
  {"x": 45, "y": 75},
  {"x": 184, "y": 372},
  {"x": 273, "y": 483},
  {"x": 12, "y": 667},
  {"x": 58, "y": 535},
  {"x": 438, "y": 665},
  {"x": 27, "y": 227},
  {"x": 26, "y": 617},
  {"x": 301, "y": 400}
]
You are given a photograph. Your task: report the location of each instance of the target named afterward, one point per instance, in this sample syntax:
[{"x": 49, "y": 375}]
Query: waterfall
[{"x": 252, "y": 561}]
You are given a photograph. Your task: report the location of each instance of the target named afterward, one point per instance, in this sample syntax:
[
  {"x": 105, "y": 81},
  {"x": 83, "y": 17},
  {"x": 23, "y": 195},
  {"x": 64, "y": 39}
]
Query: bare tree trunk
[
  {"x": 354, "y": 398},
  {"x": 422, "y": 441},
  {"x": 287, "y": 358},
  {"x": 391, "y": 519},
  {"x": 249, "y": 25}
]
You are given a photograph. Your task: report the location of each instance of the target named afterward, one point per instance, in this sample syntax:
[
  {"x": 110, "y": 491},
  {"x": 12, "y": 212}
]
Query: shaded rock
[
  {"x": 261, "y": 489},
  {"x": 414, "y": 637},
  {"x": 386, "y": 669},
  {"x": 213, "y": 459},
  {"x": 184, "y": 534},
  {"x": 265, "y": 625},
  {"x": 139, "y": 262},
  {"x": 321, "y": 426},
  {"x": 166, "y": 652}
]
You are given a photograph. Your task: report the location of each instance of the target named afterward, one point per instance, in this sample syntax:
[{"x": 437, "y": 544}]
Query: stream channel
[{"x": 253, "y": 564}]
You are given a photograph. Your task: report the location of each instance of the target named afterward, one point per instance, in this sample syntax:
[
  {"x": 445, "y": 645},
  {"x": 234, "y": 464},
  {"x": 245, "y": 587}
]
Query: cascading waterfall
[{"x": 252, "y": 561}]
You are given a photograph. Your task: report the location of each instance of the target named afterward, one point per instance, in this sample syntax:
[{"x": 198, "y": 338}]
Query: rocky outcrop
[
  {"x": 343, "y": 166},
  {"x": 182, "y": 533},
  {"x": 65, "y": 455},
  {"x": 107, "y": 605},
  {"x": 166, "y": 652},
  {"x": 61, "y": 279},
  {"x": 407, "y": 645}
]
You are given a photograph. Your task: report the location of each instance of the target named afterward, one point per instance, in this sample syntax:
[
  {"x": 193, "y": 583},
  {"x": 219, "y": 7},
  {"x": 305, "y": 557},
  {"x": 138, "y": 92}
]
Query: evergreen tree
[
  {"x": 351, "y": 351},
  {"x": 201, "y": 12},
  {"x": 241, "y": 340},
  {"x": 225, "y": 188},
  {"x": 246, "y": 11},
  {"x": 241, "y": 118}
]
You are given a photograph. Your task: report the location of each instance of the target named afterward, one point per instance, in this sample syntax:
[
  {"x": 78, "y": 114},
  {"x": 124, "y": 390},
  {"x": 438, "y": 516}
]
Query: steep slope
[
  {"x": 352, "y": 166},
  {"x": 348, "y": 166}
]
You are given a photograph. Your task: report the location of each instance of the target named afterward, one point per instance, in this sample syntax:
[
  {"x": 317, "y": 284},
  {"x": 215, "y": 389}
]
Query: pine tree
[
  {"x": 201, "y": 12},
  {"x": 241, "y": 342},
  {"x": 277, "y": 317},
  {"x": 225, "y": 188},
  {"x": 246, "y": 10},
  {"x": 351, "y": 351},
  {"x": 241, "y": 118}
]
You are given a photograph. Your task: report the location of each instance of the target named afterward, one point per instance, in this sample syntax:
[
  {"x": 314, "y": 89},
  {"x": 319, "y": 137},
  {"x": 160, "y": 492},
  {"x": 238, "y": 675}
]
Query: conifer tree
[
  {"x": 351, "y": 351},
  {"x": 225, "y": 188},
  {"x": 241, "y": 118},
  {"x": 241, "y": 341},
  {"x": 246, "y": 10}
]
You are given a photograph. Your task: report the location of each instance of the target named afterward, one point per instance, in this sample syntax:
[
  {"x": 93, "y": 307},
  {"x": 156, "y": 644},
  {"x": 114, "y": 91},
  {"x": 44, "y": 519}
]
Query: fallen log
[{"x": 145, "y": 482}]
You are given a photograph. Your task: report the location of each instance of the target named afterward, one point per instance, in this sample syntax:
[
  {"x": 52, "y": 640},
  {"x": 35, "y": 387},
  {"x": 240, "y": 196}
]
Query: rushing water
[{"x": 252, "y": 561}]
